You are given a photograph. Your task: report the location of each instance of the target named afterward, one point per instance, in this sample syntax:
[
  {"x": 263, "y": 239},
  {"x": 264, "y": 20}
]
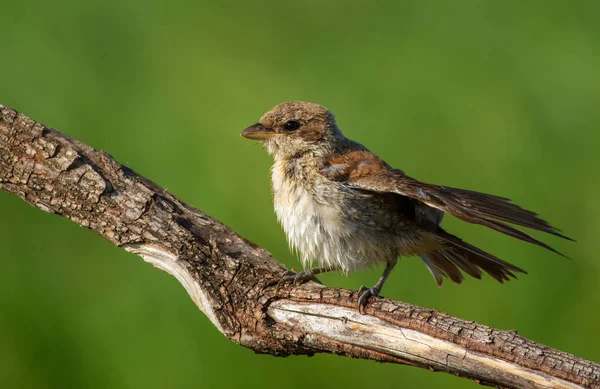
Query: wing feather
[{"x": 363, "y": 170}]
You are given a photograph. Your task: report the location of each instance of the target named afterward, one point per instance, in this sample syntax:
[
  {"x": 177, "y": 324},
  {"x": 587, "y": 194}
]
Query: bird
[{"x": 343, "y": 208}]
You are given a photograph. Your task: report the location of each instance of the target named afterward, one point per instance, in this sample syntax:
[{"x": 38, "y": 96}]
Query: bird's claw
[
  {"x": 364, "y": 294},
  {"x": 291, "y": 277}
]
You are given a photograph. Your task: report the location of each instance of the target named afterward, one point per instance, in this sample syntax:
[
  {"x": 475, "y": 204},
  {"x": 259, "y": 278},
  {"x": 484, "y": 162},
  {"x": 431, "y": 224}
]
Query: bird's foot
[
  {"x": 291, "y": 277},
  {"x": 364, "y": 294}
]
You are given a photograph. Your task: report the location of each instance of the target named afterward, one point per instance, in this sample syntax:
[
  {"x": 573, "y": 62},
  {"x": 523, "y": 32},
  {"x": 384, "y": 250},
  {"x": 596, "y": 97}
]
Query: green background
[{"x": 498, "y": 96}]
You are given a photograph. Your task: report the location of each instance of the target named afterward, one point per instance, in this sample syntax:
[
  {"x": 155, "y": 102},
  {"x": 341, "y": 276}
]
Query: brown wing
[{"x": 360, "y": 169}]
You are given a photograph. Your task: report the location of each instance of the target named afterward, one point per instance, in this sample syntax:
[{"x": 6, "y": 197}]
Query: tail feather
[
  {"x": 440, "y": 267},
  {"x": 459, "y": 255}
]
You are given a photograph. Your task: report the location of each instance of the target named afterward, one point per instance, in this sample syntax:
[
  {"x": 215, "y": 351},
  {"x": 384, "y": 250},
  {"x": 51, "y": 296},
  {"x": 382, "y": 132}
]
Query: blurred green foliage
[{"x": 502, "y": 97}]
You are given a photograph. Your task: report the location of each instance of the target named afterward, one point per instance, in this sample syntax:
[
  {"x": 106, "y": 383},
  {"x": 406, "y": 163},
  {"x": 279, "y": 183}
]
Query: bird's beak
[{"x": 258, "y": 132}]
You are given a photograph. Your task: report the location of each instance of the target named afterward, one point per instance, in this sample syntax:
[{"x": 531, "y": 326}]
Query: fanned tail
[{"x": 460, "y": 256}]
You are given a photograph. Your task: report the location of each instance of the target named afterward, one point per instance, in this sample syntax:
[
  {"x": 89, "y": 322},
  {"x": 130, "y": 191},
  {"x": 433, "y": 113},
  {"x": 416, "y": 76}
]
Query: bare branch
[{"x": 229, "y": 278}]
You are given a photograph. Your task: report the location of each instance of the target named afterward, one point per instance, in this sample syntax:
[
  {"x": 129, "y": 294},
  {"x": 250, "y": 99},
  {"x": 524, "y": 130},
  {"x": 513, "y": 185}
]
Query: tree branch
[{"x": 230, "y": 279}]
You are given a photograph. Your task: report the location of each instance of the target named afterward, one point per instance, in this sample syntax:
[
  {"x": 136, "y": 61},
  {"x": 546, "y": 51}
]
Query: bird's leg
[
  {"x": 291, "y": 277},
  {"x": 365, "y": 293}
]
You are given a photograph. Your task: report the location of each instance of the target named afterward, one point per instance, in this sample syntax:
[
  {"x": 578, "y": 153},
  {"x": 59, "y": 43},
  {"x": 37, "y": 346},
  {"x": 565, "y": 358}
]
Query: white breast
[{"x": 318, "y": 230}]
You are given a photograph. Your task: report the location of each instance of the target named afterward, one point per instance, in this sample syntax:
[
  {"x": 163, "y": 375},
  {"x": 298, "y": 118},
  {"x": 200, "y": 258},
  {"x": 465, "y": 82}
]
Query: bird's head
[{"x": 296, "y": 128}]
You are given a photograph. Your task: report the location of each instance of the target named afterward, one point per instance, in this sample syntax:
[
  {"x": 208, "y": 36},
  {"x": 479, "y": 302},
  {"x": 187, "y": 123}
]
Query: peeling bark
[{"x": 230, "y": 279}]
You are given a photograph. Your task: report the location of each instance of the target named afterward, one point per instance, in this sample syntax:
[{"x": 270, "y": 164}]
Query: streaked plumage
[{"x": 344, "y": 208}]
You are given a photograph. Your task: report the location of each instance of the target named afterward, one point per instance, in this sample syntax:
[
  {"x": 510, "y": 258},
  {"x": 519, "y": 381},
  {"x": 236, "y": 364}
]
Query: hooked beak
[{"x": 258, "y": 132}]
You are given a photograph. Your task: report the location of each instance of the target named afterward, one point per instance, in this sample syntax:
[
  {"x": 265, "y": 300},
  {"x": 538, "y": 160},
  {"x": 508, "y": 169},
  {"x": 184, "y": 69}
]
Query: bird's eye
[{"x": 292, "y": 125}]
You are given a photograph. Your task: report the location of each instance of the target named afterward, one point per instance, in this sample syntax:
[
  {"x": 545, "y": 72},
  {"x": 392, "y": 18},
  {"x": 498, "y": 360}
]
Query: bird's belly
[{"x": 323, "y": 234}]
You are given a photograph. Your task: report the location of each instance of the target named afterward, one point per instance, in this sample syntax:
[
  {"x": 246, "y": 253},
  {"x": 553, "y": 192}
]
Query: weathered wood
[{"x": 230, "y": 278}]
